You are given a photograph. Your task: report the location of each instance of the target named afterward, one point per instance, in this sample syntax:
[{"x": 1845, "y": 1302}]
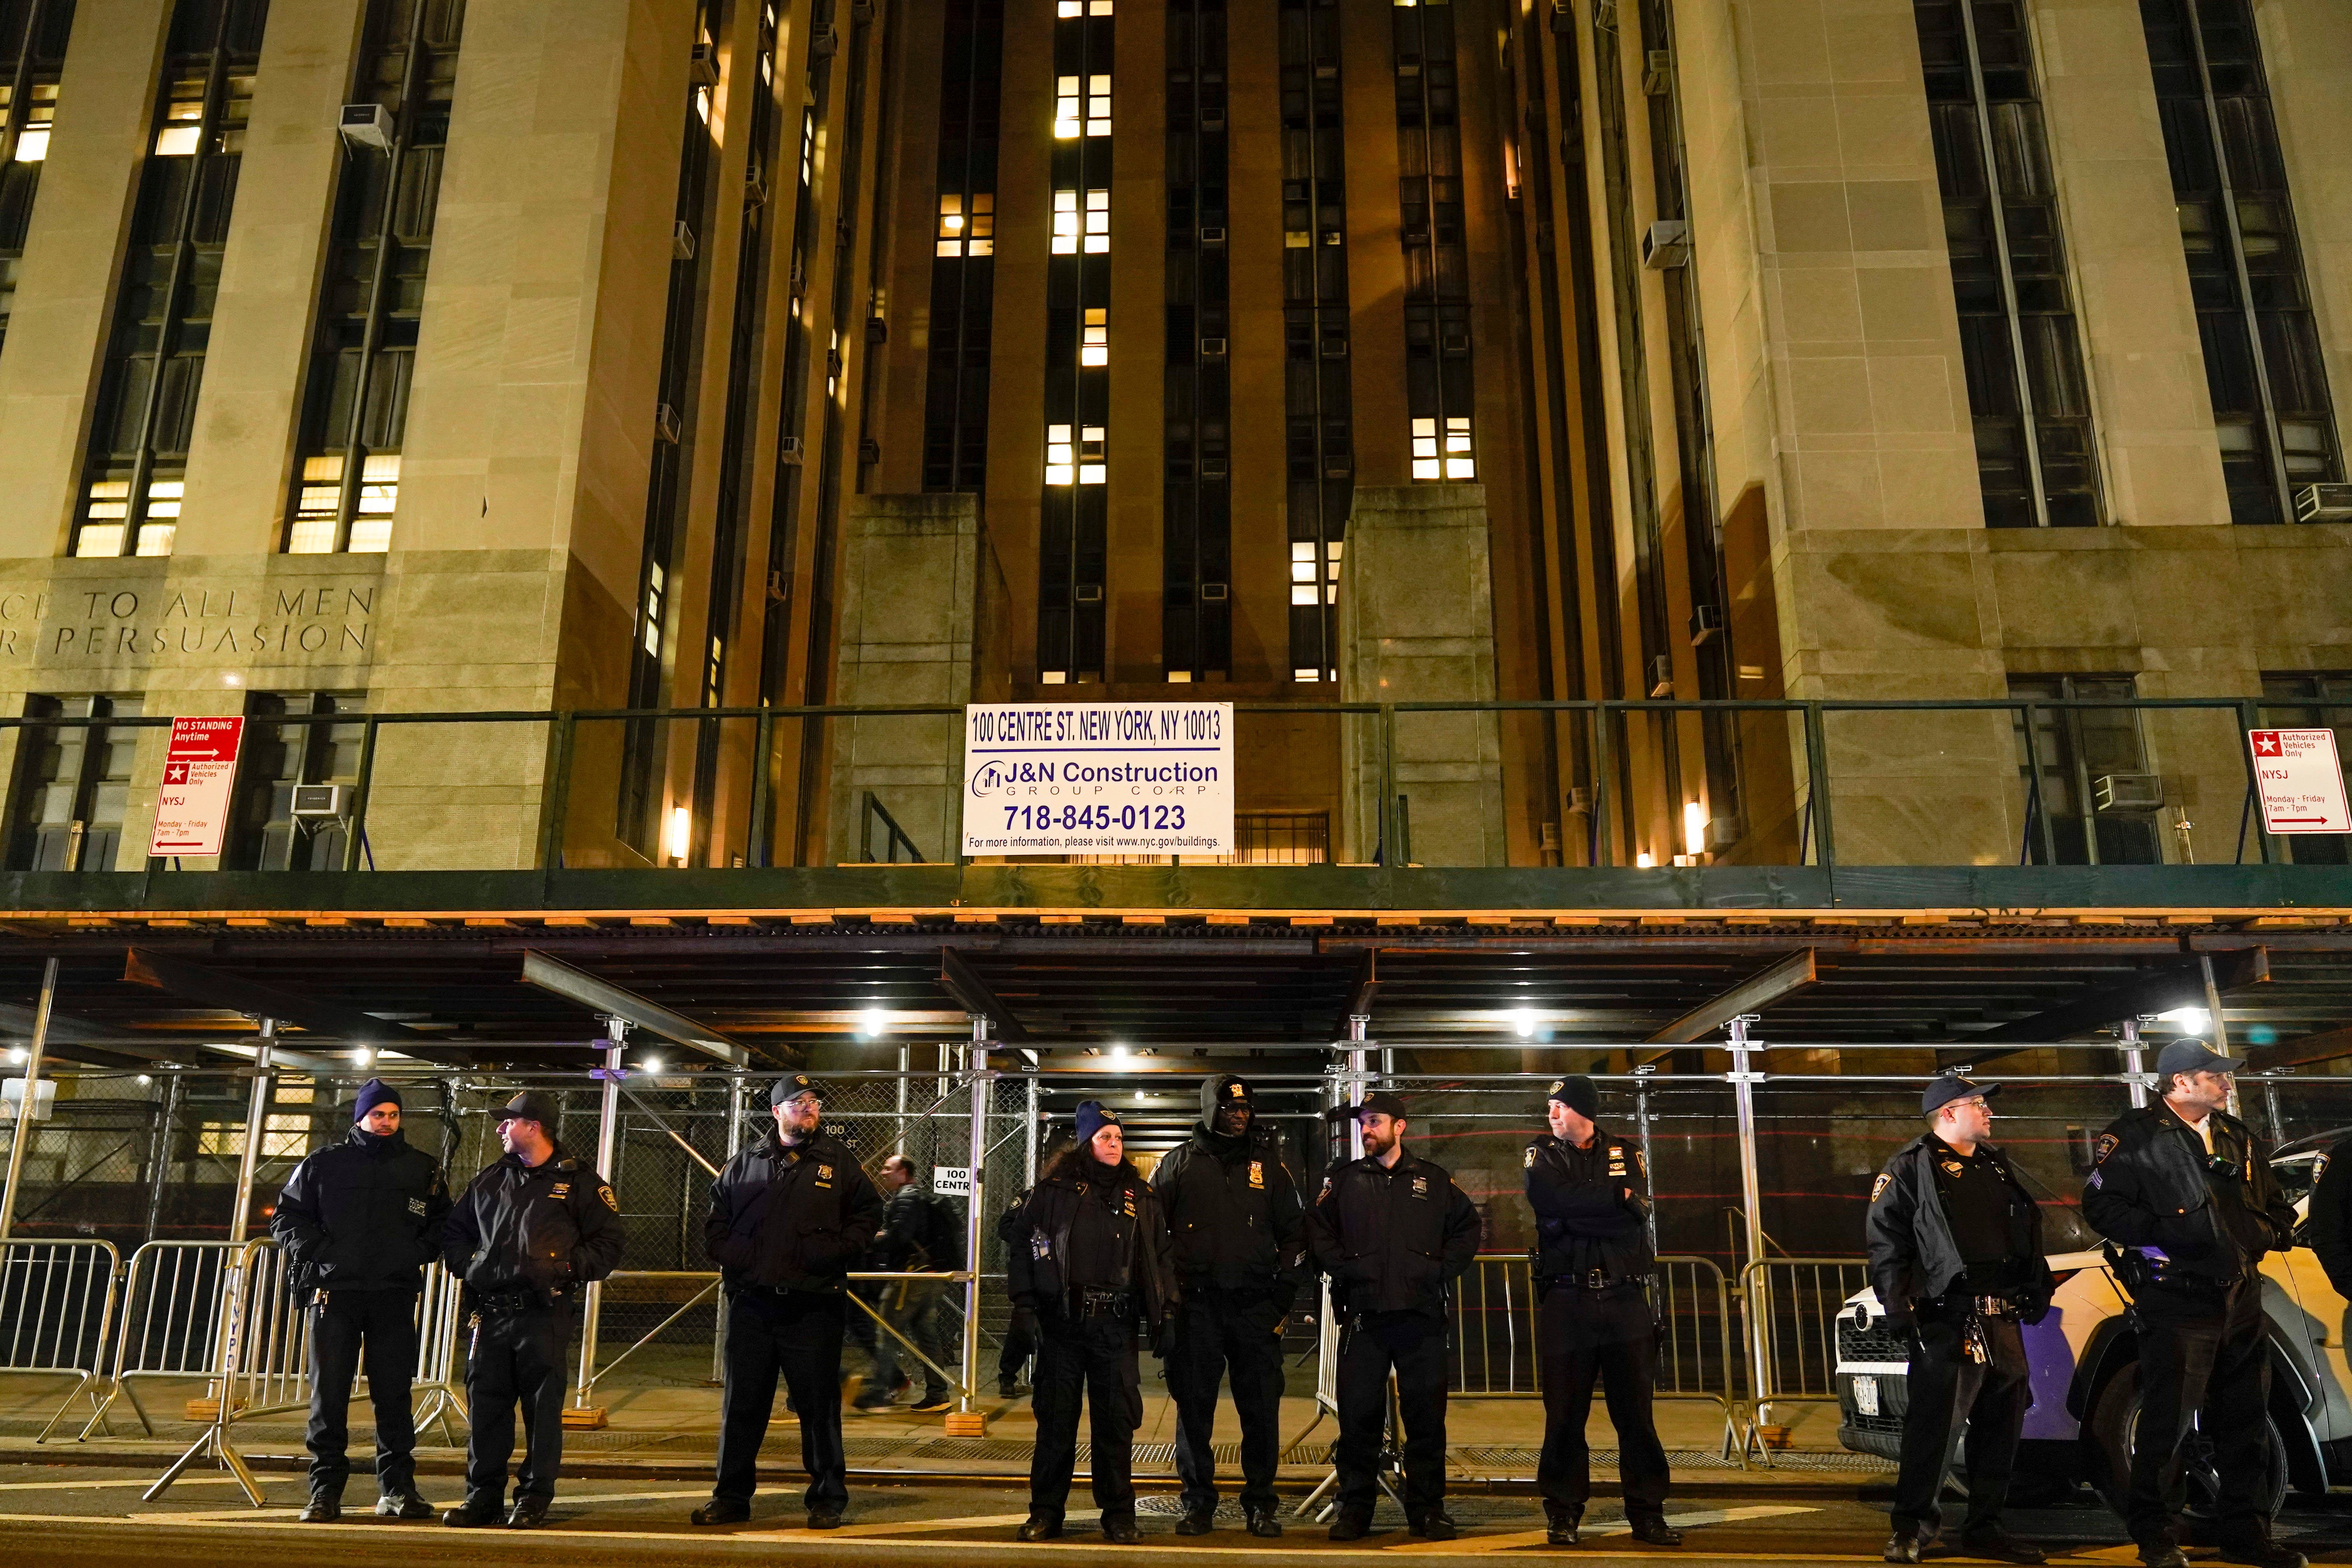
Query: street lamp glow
[
  {"x": 872, "y": 1022},
  {"x": 1118, "y": 1056},
  {"x": 1524, "y": 1022},
  {"x": 652, "y": 1064},
  {"x": 2196, "y": 1020},
  {"x": 681, "y": 834}
]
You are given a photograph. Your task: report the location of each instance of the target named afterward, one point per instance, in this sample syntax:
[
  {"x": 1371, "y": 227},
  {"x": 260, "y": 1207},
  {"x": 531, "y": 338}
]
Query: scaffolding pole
[
  {"x": 608, "y": 1126},
  {"x": 20, "y": 1138}
]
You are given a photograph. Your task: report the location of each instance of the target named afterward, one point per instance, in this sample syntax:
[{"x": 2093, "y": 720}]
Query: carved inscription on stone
[{"x": 173, "y": 623}]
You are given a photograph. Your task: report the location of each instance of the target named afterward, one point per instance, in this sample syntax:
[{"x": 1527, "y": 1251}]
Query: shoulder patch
[
  {"x": 1530, "y": 1160},
  {"x": 2103, "y": 1147},
  {"x": 1878, "y": 1188},
  {"x": 611, "y": 1202},
  {"x": 2318, "y": 1168}
]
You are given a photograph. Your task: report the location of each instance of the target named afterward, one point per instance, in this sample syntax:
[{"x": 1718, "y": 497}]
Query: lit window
[
  {"x": 1091, "y": 440},
  {"x": 177, "y": 141},
  {"x": 653, "y": 610},
  {"x": 1066, "y": 223},
  {"x": 1053, "y": 676},
  {"x": 1302, "y": 593},
  {"x": 1297, "y": 239},
  {"x": 1459, "y": 462},
  {"x": 1061, "y": 460},
  {"x": 1094, "y": 348},
  {"x": 1071, "y": 8},
  {"x": 1099, "y": 106},
  {"x": 1065, "y": 107},
  {"x": 164, "y": 498},
  {"x": 33, "y": 145},
  {"x": 99, "y": 539},
  {"x": 1425, "y": 463},
  {"x": 1098, "y": 222},
  {"x": 1098, "y": 7},
  {"x": 155, "y": 538},
  {"x": 1306, "y": 675}
]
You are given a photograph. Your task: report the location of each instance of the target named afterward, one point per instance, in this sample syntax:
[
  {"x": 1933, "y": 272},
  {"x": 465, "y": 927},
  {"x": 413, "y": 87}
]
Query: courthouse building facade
[{"x": 372, "y": 357}]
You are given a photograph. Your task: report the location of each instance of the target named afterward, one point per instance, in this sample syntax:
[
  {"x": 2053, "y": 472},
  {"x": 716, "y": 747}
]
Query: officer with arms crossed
[
  {"x": 1593, "y": 1268},
  {"x": 1090, "y": 1258},
  {"x": 2187, "y": 1194},
  {"x": 359, "y": 1220},
  {"x": 1391, "y": 1233},
  {"x": 920, "y": 1232},
  {"x": 1956, "y": 1257},
  {"x": 532, "y": 1229},
  {"x": 790, "y": 1215},
  {"x": 1241, "y": 1247}
]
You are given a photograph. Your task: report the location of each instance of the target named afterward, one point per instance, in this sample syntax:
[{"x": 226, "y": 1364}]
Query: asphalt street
[{"x": 68, "y": 1516}]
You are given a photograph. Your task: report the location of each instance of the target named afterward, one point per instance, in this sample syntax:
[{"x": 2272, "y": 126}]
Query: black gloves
[{"x": 1163, "y": 1339}]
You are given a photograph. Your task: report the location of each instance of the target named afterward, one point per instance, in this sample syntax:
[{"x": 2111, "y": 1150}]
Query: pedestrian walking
[
  {"x": 921, "y": 1234},
  {"x": 2184, "y": 1193},
  {"x": 1091, "y": 1260},
  {"x": 1240, "y": 1238},
  {"x": 532, "y": 1229},
  {"x": 1593, "y": 1268},
  {"x": 790, "y": 1216},
  {"x": 1956, "y": 1257},
  {"x": 1392, "y": 1232},
  {"x": 359, "y": 1220}
]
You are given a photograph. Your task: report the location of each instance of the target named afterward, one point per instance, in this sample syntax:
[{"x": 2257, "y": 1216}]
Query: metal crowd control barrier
[
  {"x": 170, "y": 1326},
  {"x": 1792, "y": 1306},
  {"x": 57, "y": 1309}
]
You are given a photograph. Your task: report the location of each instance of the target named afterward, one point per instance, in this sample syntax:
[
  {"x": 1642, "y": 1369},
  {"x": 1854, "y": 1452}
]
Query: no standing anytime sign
[{"x": 191, "y": 804}]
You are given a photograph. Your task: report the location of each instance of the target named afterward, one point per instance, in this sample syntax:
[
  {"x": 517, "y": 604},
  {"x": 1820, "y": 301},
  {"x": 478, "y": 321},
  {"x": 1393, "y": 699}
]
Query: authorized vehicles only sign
[
  {"x": 1108, "y": 778},
  {"x": 2301, "y": 780},
  {"x": 192, "y": 804}
]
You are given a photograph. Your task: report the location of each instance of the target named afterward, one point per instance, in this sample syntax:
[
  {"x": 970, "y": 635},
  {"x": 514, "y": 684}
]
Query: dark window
[
  {"x": 2087, "y": 755},
  {"x": 963, "y": 248},
  {"x": 1073, "y": 558},
  {"x": 1196, "y": 554},
  {"x": 64, "y": 811},
  {"x": 2271, "y": 408},
  {"x": 355, "y": 406},
  {"x": 291, "y": 738},
  {"x": 155, "y": 362},
  {"x": 32, "y": 57},
  {"x": 1438, "y": 386},
  {"x": 2312, "y": 700},
  {"x": 1319, "y": 451},
  {"x": 2018, "y": 345}
]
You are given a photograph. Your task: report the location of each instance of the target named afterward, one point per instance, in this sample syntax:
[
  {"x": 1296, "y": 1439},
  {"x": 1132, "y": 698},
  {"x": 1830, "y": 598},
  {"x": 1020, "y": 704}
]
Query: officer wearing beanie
[
  {"x": 1241, "y": 1247},
  {"x": 1593, "y": 1268},
  {"x": 2185, "y": 1195},
  {"x": 1956, "y": 1258},
  {"x": 1392, "y": 1232},
  {"x": 359, "y": 1220},
  {"x": 1090, "y": 1258},
  {"x": 533, "y": 1229},
  {"x": 790, "y": 1216}
]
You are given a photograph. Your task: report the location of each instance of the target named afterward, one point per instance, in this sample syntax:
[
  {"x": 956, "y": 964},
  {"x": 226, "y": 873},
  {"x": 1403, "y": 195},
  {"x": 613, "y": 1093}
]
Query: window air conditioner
[
  {"x": 1213, "y": 592},
  {"x": 1213, "y": 468},
  {"x": 1662, "y": 677},
  {"x": 1088, "y": 593},
  {"x": 1705, "y": 621},
  {"x": 320, "y": 800},
  {"x": 2128, "y": 791},
  {"x": 1213, "y": 348},
  {"x": 367, "y": 125},
  {"x": 1212, "y": 236},
  {"x": 877, "y": 329},
  {"x": 823, "y": 42},
  {"x": 681, "y": 241},
  {"x": 869, "y": 450},
  {"x": 788, "y": 450},
  {"x": 665, "y": 423},
  {"x": 1660, "y": 76},
  {"x": 703, "y": 69},
  {"x": 1667, "y": 244},
  {"x": 2324, "y": 503}
]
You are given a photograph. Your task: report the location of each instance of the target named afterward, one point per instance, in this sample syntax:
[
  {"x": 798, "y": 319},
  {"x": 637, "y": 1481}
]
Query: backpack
[{"x": 942, "y": 1234}]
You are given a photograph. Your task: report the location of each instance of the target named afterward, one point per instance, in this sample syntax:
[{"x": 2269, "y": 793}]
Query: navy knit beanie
[{"x": 373, "y": 1093}]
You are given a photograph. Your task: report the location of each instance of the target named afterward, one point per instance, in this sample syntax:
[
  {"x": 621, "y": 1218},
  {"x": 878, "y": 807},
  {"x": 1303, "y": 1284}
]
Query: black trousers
[
  {"x": 1218, "y": 1332},
  {"x": 1606, "y": 1337},
  {"x": 798, "y": 1335},
  {"x": 1945, "y": 1389},
  {"x": 516, "y": 1359},
  {"x": 1093, "y": 1360},
  {"x": 1019, "y": 1344},
  {"x": 382, "y": 1324},
  {"x": 2201, "y": 1356},
  {"x": 917, "y": 1308},
  {"x": 1370, "y": 1347}
]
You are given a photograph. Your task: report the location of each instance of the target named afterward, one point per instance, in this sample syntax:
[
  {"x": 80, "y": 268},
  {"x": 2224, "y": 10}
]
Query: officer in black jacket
[
  {"x": 531, "y": 1230},
  {"x": 1593, "y": 1268},
  {"x": 1090, "y": 1257},
  {"x": 2188, "y": 1202},
  {"x": 790, "y": 1216},
  {"x": 1956, "y": 1257},
  {"x": 1391, "y": 1233},
  {"x": 2328, "y": 1220},
  {"x": 1240, "y": 1249},
  {"x": 359, "y": 1220}
]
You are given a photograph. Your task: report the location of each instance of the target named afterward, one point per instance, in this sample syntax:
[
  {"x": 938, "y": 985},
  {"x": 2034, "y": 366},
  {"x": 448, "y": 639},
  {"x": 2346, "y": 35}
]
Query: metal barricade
[
  {"x": 262, "y": 1361},
  {"x": 57, "y": 1309},
  {"x": 170, "y": 1326},
  {"x": 1792, "y": 1306},
  {"x": 438, "y": 1327}
]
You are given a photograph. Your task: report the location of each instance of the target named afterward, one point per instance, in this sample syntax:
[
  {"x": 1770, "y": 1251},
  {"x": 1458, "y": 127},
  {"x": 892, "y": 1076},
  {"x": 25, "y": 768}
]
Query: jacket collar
[{"x": 555, "y": 1158}]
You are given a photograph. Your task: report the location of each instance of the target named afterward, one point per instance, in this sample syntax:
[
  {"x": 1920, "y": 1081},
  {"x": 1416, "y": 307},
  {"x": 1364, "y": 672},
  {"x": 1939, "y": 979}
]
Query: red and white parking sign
[
  {"x": 191, "y": 804},
  {"x": 2301, "y": 781}
]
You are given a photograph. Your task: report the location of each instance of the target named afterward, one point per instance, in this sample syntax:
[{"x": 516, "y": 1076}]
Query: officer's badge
[
  {"x": 611, "y": 1202},
  {"x": 825, "y": 1172},
  {"x": 1530, "y": 1163},
  {"x": 1421, "y": 1187},
  {"x": 1040, "y": 1244},
  {"x": 1257, "y": 1173},
  {"x": 1234, "y": 1092},
  {"x": 1557, "y": 1084},
  {"x": 416, "y": 1207},
  {"x": 1878, "y": 1188},
  {"x": 2102, "y": 1148}
]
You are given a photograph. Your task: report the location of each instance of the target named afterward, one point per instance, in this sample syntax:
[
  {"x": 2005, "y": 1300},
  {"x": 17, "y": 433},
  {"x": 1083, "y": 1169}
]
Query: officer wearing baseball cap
[
  {"x": 1241, "y": 1249},
  {"x": 2185, "y": 1197},
  {"x": 1090, "y": 1257},
  {"x": 359, "y": 1220},
  {"x": 790, "y": 1216},
  {"x": 1954, "y": 1245},
  {"x": 1392, "y": 1232},
  {"x": 1592, "y": 1267},
  {"x": 531, "y": 1230}
]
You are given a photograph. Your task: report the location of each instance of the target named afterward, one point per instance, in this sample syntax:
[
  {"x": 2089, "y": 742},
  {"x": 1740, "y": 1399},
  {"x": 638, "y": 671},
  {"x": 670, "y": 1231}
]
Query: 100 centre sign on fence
[{"x": 1102, "y": 778}]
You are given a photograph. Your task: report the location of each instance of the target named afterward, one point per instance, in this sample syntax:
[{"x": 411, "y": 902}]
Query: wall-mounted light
[
  {"x": 872, "y": 1022},
  {"x": 1694, "y": 828},
  {"x": 651, "y": 1064},
  {"x": 1524, "y": 1022},
  {"x": 2196, "y": 1020},
  {"x": 1645, "y": 859},
  {"x": 680, "y": 840}
]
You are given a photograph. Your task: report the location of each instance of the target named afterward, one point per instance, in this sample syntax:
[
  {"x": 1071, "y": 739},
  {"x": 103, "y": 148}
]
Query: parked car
[{"x": 2085, "y": 1371}]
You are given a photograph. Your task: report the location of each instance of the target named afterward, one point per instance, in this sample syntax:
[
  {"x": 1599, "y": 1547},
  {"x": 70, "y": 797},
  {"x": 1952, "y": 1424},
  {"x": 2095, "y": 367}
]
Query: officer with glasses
[{"x": 1956, "y": 1257}]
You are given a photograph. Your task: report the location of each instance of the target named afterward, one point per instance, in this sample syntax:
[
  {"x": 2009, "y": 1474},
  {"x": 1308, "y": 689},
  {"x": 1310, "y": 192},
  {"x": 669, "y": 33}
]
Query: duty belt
[
  {"x": 506, "y": 1303},
  {"x": 1594, "y": 1279},
  {"x": 1992, "y": 1306},
  {"x": 1085, "y": 1302}
]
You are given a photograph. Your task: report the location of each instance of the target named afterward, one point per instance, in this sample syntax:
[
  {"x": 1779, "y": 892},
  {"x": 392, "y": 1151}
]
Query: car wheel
[{"x": 2114, "y": 1422}]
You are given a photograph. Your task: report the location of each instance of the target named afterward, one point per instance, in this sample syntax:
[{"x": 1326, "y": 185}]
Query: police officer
[
  {"x": 1392, "y": 1232},
  {"x": 1020, "y": 1330},
  {"x": 531, "y": 1230},
  {"x": 1593, "y": 1268},
  {"x": 919, "y": 1235},
  {"x": 2185, "y": 1195},
  {"x": 1240, "y": 1249},
  {"x": 1091, "y": 1259},
  {"x": 2329, "y": 1221},
  {"x": 790, "y": 1216},
  {"x": 1956, "y": 1257},
  {"x": 359, "y": 1220}
]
